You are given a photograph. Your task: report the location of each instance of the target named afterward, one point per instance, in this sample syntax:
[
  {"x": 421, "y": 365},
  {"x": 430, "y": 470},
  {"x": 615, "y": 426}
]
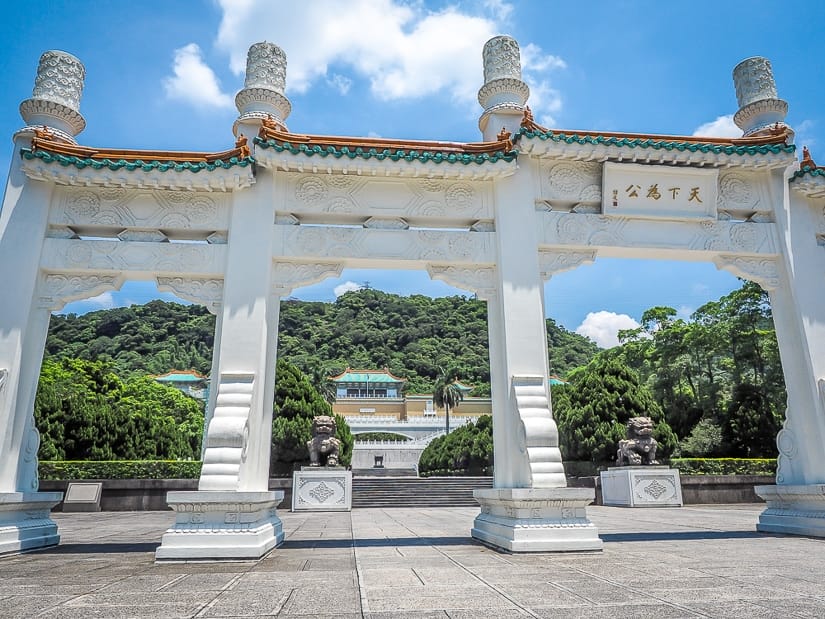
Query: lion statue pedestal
[
  {"x": 322, "y": 486},
  {"x": 637, "y": 481}
]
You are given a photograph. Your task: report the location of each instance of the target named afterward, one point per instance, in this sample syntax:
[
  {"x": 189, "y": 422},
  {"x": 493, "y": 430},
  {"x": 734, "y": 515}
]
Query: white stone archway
[{"x": 239, "y": 230}]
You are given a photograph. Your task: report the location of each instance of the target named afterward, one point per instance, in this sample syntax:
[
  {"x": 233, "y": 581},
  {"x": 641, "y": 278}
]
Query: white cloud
[
  {"x": 805, "y": 135},
  {"x": 346, "y": 287},
  {"x": 193, "y": 81},
  {"x": 722, "y": 127},
  {"x": 102, "y": 301},
  {"x": 402, "y": 49},
  {"x": 341, "y": 83},
  {"x": 603, "y": 327},
  {"x": 500, "y": 9},
  {"x": 684, "y": 312}
]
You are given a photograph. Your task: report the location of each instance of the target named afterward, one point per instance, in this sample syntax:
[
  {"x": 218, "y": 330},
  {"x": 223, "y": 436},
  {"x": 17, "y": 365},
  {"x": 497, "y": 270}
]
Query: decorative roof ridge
[
  {"x": 275, "y": 135},
  {"x": 774, "y": 142},
  {"x": 47, "y": 146},
  {"x": 350, "y": 370},
  {"x": 808, "y": 166}
]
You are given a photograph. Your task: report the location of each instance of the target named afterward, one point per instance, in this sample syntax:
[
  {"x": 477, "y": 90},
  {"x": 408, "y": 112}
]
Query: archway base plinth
[
  {"x": 25, "y": 523},
  {"x": 222, "y": 525},
  {"x": 536, "y": 519},
  {"x": 794, "y": 510}
]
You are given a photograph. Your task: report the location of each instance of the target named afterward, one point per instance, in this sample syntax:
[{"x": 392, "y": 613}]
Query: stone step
[{"x": 417, "y": 492}]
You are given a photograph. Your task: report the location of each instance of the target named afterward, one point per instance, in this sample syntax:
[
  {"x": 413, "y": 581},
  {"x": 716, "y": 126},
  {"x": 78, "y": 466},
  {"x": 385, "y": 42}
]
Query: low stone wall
[
  {"x": 129, "y": 495},
  {"x": 123, "y": 495},
  {"x": 700, "y": 489}
]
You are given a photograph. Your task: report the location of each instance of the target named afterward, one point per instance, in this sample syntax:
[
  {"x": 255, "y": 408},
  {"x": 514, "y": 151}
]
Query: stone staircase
[{"x": 416, "y": 492}]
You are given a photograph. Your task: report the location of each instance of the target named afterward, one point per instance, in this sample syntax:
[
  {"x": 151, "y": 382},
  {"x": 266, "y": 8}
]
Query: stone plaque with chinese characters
[{"x": 657, "y": 191}]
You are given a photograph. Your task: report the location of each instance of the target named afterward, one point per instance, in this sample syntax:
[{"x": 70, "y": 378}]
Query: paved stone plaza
[{"x": 696, "y": 561}]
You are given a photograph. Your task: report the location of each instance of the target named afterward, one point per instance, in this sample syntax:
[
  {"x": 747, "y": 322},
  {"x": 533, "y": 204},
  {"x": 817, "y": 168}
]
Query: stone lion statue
[
  {"x": 324, "y": 447},
  {"x": 640, "y": 446}
]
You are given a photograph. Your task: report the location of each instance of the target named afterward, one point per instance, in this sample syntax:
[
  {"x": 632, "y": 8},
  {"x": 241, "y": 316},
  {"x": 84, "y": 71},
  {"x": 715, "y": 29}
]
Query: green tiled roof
[
  {"x": 555, "y": 380},
  {"x": 179, "y": 377},
  {"x": 120, "y": 164},
  {"x": 366, "y": 377},
  {"x": 807, "y": 170},
  {"x": 658, "y": 144},
  {"x": 387, "y": 153}
]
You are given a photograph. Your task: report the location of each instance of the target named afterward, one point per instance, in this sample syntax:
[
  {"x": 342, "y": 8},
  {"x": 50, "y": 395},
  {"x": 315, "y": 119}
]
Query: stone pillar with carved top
[
  {"x": 761, "y": 111},
  {"x": 529, "y": 508},
  {"x": 24, "y": 315},
  {"x": 503, "y": 94},
  {"x": 262, "y": 96},
  {"x": 796, "y": 504},
  {"x": 233, "y": 513}
]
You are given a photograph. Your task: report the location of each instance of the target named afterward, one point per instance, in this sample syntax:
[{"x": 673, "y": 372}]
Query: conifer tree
[
  {"x": 593, "y": 410},
  {"x": 296, "y": 403}
]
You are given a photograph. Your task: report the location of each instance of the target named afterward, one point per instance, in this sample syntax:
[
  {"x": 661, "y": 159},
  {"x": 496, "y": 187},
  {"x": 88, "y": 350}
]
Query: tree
[
  {"x": 751, "y": 425},
  {"x": 84, "y": 411},
  {"x": 468, "y": 449},
  {"x": 296, "y": 403},
  {"x": 593, "y": 410},
  {"x": 447, "y": 394}
]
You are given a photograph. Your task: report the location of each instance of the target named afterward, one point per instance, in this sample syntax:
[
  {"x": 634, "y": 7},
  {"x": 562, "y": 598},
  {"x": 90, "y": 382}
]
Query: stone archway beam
[
  {"x": 363, "y": 246},
  {"x": 133, "y": 259},
  {"x": 630, "y": 237}
]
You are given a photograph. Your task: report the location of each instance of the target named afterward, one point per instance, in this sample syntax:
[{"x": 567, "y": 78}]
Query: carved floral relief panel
[
  {"x": 743, "y": 195},
  {"x": 357, "y": 243},
  {"x": 587, "y": 230},
  {"x": 369, "y": 197},
  {"x": 122, "y": 208},
  {"x": 571, "y": 184},
  {"x": 134, "y": 259}
]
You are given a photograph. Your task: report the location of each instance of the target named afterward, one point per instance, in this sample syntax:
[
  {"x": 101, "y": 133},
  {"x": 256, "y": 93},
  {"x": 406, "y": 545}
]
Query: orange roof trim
[
  {"x": 272, "y": 130},
  {"x": 777, "y": 135},
  {"x": 46, "y": 140}
]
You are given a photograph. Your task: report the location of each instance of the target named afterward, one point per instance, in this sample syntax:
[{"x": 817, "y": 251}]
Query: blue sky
[{"x": 163, "y": 75}]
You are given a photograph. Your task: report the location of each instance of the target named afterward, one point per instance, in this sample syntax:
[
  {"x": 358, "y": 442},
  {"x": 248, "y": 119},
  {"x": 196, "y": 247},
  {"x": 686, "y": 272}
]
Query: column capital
[
  {"x": 555, "y": 261},
  {"x": 203, "y": 291},
  {"x": 481, "y": 280},
  {"x": 54, "y": 290},
  {"x": 286, "y": 276},
  {"x": 762, "y": 270}
]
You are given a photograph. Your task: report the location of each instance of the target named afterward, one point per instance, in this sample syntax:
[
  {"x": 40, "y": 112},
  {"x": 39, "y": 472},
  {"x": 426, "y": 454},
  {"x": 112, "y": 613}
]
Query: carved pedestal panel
[
  {"x": 322, "y": 489},
  {"x": 798, "y": 510},
  {"x": 222, "y": 525},
  {"x": 643, "y": 486},
  {"x": 25, "y": 523},
  {"x": 536, "y": 519}
]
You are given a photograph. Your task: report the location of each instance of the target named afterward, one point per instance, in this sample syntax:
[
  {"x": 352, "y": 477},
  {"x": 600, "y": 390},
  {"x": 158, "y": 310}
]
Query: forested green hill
[{"x": 412, "y": 336}]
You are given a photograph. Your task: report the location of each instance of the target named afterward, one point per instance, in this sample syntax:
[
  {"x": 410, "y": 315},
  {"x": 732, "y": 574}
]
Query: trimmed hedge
[
  {"x": 724, "y": 466},
  {"x": 120, "y": 469}
]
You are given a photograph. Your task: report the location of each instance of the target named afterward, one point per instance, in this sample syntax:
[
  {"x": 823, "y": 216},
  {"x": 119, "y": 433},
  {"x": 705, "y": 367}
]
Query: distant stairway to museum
[{"x": 416, "y": 492}]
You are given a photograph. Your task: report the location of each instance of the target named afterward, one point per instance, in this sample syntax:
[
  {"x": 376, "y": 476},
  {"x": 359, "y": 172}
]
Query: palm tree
[
  {"x": 319, "y": 377},
  {"x": 447, "y": 393}
]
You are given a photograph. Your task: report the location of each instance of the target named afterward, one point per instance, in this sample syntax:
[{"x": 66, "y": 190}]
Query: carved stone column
[
  {"x": 503, "y": 94},
  {"x": 796, "y": 504},
  {"x": 529, "y": 508},
  {"x": 24, "y": 512},
  {"x": 233, "y": 513}
]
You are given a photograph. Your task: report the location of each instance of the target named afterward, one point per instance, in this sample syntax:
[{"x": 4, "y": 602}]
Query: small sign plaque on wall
[{"x": 656, "y": 191}]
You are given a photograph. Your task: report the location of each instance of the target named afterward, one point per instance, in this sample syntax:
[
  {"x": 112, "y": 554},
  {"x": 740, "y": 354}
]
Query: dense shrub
[
  {"x": 120, "y": 469},
  {"x": 468, "y": 449}
]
